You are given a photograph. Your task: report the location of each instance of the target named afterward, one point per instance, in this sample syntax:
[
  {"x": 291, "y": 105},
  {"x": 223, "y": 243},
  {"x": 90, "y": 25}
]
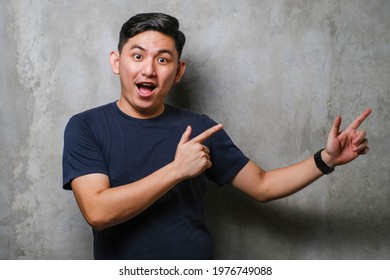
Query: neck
[{"x": 139, "y": 113}]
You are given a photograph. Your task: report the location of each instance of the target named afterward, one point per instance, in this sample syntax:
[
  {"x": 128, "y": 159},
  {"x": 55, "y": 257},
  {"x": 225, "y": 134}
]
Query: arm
[
  {"x": 103, "y": 206},
  {"x": 341, "y": 148}
]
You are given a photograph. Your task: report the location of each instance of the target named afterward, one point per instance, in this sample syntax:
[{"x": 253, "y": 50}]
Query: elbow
[
  {"x": 100, "y": 220},
  {"x": 98, "y": 226},
  {"x": 263, "y": 194},
  {"x": 97, "y": 221},
  {"x": 267, "y": 195},
  {"x": 263, "y": 198}
]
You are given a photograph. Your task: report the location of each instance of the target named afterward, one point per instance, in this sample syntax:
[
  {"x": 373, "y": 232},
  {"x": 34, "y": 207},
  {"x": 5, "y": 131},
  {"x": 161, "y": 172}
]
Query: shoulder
[
  {"x": 94, "y": 112},
  {"x": 91, "y": 116},
  {"x": 88, "y": 123}
]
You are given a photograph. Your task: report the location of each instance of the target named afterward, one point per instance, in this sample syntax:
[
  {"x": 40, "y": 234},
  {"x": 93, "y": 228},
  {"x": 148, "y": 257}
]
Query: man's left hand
[{"x": 344, "y": 146}]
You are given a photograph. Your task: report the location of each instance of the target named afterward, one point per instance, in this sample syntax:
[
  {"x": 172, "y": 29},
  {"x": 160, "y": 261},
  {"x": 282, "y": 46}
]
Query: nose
[{"x": 148, "y": 69}]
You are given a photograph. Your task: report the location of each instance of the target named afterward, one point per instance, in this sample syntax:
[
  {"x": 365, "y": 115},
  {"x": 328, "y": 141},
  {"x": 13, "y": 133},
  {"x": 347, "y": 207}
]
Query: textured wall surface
[{"x": 275, "y": 73}]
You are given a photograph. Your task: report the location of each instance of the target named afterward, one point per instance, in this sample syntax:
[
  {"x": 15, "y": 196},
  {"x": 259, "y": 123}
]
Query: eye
[
  {"x": 162, "y": 60},
  {"x": 137, "y": 56}
]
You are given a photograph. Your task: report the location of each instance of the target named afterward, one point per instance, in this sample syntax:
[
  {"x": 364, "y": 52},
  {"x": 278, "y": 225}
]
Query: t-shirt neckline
[{"x": 138, "y": 120}]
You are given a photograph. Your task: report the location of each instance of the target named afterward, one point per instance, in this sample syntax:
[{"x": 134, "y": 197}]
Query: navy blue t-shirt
[{"x": 105, "y": 140}]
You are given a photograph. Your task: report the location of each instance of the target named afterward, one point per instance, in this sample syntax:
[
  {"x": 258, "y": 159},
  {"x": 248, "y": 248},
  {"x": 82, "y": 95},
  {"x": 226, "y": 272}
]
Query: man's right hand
[{"x": 192, "y": 157}]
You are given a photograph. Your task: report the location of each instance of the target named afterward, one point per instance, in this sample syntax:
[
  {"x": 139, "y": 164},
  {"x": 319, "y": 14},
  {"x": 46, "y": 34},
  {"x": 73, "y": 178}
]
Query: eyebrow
[{"x": 167, "y": 51}]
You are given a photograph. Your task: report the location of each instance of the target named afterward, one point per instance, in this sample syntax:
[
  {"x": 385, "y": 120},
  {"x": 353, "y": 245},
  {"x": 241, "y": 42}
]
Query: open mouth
[{"x": 146, "y": 89}]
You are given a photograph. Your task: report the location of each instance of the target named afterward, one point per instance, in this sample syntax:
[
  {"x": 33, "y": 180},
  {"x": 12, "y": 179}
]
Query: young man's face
[{"x": 148, "y": 66}]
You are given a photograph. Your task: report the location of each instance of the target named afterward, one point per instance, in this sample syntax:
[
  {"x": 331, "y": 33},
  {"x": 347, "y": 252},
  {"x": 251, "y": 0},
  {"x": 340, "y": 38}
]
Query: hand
[
  {"x": 192, "y": 158},
  {"x": 343, "y": 147}
]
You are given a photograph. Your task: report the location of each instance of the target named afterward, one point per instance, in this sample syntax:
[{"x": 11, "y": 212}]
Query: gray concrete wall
[{"x": 276, "y": 73}]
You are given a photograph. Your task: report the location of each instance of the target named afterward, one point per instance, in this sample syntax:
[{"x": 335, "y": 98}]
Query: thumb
[
  {"x": 334, "y": 131},
  {"x": 186, "y": 135}
]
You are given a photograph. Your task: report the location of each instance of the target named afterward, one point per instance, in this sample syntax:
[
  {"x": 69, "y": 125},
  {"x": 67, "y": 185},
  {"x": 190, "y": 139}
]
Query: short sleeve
[
  {"x": 82, "y": 154},
  {"x": 226, "y": 157}
]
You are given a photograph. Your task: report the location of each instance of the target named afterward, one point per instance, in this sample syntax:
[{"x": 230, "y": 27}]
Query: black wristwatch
[{"x": 321, "y": 164}]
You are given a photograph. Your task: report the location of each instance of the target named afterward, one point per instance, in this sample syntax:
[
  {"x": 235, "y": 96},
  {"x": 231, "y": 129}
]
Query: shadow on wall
[
  {"x": 245, "y": 229},
  {"x": 191, "y": 92}
]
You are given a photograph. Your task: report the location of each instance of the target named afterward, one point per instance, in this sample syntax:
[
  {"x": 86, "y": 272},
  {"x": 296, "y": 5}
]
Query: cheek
[
  {"x": 168, "y": 77},
  {"x": 128, "y": 69}
]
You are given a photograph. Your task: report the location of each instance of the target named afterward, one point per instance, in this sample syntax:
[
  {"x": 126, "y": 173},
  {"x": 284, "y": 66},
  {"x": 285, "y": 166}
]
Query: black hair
[{"x": 163, "y": 23}]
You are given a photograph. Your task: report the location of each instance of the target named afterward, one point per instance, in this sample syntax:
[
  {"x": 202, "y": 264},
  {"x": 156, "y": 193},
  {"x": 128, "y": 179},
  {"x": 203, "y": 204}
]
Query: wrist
[
  {"x": 327, "y": 159},
  {"x": 323, "y": 162},
  {"x": 174, "y": 172}
]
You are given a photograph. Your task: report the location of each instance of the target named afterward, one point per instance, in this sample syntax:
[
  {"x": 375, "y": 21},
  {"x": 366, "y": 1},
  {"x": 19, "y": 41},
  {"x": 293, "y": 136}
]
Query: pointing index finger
[
  {"x": 358, "y": 121},
  {"x": 207, "y": 134}
]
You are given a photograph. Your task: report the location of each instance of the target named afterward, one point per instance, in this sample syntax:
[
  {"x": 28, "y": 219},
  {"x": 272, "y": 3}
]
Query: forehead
[{"x": 152, "y": 41}]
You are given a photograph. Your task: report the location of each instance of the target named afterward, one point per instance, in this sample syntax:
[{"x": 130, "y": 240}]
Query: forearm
[
  {"x": 105, "y": 206},
  {"x": 285, "y": 181},
  {"x": 270, "y": 185}
]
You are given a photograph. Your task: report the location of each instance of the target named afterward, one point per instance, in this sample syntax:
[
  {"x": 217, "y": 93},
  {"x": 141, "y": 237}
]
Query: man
[{"x": 137, "y": 166}]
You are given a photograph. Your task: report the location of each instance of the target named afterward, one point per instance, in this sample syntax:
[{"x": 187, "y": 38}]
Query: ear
[
  {"x": 181, "y": 68},
  {"x": 114, "y": 61}
]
